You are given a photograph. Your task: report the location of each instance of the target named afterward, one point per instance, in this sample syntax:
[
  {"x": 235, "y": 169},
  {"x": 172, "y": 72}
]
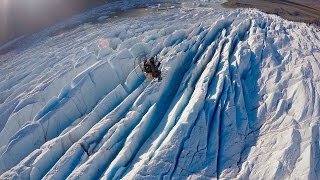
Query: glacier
[{"x": 239, "y": 98}]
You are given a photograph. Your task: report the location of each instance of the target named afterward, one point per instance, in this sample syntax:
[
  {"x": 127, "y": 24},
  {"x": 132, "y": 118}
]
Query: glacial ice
[{"x": 238, "y": 99}]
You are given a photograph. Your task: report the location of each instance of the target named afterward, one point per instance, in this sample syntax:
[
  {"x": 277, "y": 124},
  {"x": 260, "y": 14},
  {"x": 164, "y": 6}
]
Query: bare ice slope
[{"x": 239, "y": 99}]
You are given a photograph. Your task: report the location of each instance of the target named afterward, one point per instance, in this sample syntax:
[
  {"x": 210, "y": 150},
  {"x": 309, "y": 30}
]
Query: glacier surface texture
[{"x": 239, "y": 98}]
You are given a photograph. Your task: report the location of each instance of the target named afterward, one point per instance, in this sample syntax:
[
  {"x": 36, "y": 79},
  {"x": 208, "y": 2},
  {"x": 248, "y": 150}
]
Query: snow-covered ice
[{"x": 239, "y": 98}]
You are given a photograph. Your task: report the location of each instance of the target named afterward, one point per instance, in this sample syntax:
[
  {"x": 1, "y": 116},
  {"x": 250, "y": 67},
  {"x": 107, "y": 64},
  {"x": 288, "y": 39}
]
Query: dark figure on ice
[{"x": 151, "y": 68}]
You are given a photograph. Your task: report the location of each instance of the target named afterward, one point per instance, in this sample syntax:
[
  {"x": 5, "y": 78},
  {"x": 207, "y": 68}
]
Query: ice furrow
[
  {"x": 109, "y": 175},
  {"x": 47, "y": 114},
  {"x": 142, "y": 98},
  {"x": 194, "y": 76},
  {"x": 186, "y": 112},
  {"x": 185, "y": 96},
  {"x": 227, "y": 155},
  {"x": 93, "y": 136},
  {"x": 77, "y": 132}
]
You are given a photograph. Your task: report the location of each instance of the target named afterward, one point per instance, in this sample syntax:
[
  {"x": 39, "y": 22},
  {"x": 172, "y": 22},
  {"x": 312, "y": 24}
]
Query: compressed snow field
[{"x": 239, "y": 98}]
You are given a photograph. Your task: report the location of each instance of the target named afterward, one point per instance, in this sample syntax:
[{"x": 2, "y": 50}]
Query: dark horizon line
[{"x": 27, "y": 17}]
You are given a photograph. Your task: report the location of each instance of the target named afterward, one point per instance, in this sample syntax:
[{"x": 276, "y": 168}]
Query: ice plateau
[{"x": 239, "y": 98}]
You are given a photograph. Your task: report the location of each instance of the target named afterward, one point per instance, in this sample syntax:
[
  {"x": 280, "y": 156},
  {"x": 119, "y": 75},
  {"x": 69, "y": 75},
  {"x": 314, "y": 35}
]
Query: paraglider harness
[{"x": 150, "y": 67}]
